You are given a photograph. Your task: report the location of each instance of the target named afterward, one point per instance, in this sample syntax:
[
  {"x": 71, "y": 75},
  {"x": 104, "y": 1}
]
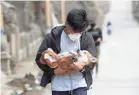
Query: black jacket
[
  {"x": 96, "y": 34},
  {"x": 52, "y": 40}
]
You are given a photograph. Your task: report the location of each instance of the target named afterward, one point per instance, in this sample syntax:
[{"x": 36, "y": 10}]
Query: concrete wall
[{"x": 22, "y": 35}]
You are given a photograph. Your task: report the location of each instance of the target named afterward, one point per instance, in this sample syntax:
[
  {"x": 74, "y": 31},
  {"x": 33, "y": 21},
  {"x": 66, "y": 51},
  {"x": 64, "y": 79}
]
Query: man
[
  {"x": 97, "y": 36},
  {"x": 96, "y": 33},
  {"x": 70, "y": 37}
]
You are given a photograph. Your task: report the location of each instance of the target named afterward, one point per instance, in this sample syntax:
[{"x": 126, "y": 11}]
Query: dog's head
[
  {"x": 49, "y": 57},
  {"x": 86, "y": 56}
]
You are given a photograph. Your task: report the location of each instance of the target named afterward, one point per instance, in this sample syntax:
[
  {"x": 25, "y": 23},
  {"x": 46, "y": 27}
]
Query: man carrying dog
[{"x": 66, "y": 38}]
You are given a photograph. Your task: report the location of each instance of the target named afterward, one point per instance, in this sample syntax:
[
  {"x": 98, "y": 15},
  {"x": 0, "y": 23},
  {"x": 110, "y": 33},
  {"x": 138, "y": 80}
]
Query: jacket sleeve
[
  {"x": 91, "y": 48},
  {"x": 43, "y": 47}
]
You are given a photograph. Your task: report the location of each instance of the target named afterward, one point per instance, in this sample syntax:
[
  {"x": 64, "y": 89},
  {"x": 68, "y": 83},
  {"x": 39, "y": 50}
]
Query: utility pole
[
  {"x": 62, "y": 11},
  {"x": 47, "y": 12}
]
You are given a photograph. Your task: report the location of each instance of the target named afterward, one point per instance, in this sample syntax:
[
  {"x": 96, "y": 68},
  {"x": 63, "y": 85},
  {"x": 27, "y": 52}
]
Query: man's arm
[
  {"x": 43, "y": 47},
  {"x": 91, "y": 48},
  {"x": 44, "y": 67}
]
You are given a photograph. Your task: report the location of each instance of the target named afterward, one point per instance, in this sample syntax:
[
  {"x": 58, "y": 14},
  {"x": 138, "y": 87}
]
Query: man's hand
[
  {"x": 77, "y": 66},
  {"x": 99, "y": 40},
  {"x": 59, "y": 71}
]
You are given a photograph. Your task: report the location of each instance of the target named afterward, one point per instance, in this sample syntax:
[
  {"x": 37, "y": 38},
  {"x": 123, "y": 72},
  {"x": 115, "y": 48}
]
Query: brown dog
[{"x": 64, "y": 59}]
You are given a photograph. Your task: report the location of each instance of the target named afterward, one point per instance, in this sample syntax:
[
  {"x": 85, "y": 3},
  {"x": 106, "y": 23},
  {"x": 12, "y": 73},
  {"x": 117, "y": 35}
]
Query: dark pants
[
  {"x": 78, "y": 91},
  {"x": 97, "y": 64}
]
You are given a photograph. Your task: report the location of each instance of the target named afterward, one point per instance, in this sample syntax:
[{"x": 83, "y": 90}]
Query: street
[{"x": 119, "y": 58}]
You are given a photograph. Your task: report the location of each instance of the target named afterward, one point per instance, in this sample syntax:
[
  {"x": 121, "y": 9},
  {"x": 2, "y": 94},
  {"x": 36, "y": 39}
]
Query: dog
[{"x": 64, "y": 59}]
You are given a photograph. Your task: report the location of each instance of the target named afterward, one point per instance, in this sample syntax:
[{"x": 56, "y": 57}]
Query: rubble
[{"x": 27, "y": 84}]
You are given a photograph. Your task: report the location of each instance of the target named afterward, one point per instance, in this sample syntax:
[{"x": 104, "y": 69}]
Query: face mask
[{"x": 75, "y": 36}]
